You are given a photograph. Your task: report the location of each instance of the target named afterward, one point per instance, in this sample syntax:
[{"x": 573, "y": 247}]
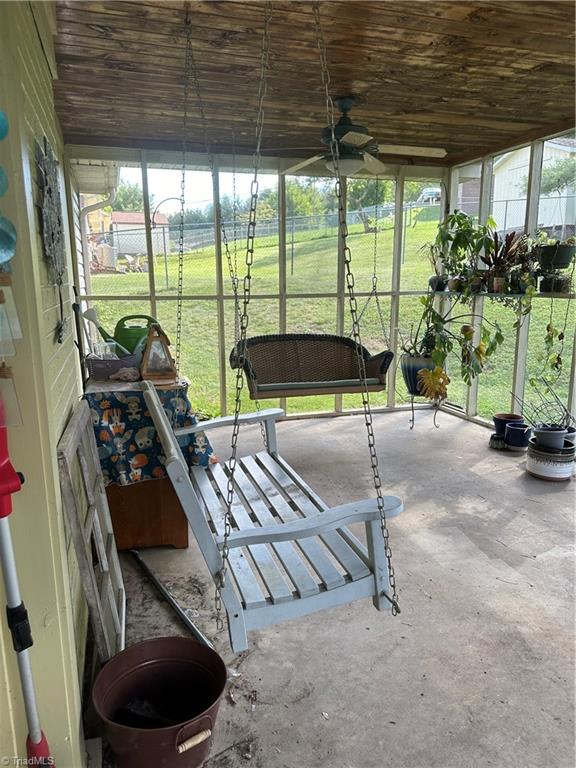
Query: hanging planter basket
[{"x": 556, "y": 256}]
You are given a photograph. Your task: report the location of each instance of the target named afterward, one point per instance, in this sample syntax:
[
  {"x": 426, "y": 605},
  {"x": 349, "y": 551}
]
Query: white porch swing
[{"x": 274, "y": 549}]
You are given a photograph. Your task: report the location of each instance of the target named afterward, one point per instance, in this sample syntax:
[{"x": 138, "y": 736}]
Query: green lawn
[{"x": 312, "y": 268}]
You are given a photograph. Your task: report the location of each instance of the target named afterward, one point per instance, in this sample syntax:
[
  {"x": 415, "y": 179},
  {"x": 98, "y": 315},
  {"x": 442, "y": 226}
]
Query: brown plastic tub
[{"x": 158, "y": 701}]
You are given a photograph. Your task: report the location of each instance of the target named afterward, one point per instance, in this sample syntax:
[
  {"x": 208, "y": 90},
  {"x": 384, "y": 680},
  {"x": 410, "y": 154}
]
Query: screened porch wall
[{"x": 299, "y": 285}]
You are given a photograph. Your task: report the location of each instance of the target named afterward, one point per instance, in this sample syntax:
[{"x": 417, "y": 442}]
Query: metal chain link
[
  {"x": 244, "y": 320},
  {"x": 375, "y": 271},
  {"x": 374, "y": 289},
  {"x": 188, "y": 62},
  {"x": 353, "y": 304}
]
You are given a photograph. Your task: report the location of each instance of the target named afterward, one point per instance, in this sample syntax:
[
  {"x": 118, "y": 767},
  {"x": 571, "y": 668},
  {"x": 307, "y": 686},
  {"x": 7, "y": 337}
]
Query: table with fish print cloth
[{"x": 143, "y": 514}]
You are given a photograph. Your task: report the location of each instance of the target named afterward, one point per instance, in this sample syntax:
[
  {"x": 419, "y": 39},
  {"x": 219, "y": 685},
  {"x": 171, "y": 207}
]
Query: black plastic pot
[
  {"x": 556, "y": 256},
  {"x": 438, "y": 282},
  {"x": 518, "y": 434},
  {"x": 410, "y": 365},
  {"x": 556, "y": 284}
]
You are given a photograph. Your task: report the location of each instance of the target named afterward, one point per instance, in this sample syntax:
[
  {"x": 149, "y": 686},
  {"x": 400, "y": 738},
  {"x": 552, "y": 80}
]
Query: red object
[
  {"x": 39, "y": 754},
  {"x": 10, "y": 481}
]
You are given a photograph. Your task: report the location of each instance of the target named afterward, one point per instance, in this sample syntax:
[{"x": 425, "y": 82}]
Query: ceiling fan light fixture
[{"x": 348, "y": 165}]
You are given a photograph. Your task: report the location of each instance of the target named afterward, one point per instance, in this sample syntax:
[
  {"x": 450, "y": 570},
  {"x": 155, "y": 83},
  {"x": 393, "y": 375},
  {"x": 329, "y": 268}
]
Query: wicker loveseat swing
[{"x": 297, "y": 364}]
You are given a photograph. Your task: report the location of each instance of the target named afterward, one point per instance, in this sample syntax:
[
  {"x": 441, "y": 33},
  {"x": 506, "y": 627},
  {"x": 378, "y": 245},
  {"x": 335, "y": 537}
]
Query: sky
[{"x": 165, "y": 183}]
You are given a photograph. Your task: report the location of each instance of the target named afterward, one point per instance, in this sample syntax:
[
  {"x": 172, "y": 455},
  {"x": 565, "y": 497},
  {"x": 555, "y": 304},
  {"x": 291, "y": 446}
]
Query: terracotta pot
[{"x": 498, "y": 284}]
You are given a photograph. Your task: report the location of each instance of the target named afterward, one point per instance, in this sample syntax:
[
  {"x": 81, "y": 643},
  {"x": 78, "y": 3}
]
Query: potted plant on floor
[{"x": 551, "y": 451}]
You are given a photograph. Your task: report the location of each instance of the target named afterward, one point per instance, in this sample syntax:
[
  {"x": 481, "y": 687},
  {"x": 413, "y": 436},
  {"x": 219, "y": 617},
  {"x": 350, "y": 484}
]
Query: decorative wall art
[{"x": 53, "y": 243}]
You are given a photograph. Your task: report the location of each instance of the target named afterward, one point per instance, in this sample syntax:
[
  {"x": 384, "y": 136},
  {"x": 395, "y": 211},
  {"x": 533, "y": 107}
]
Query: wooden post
[
  {"x": 219, "y": 289},
  {"x": 397, "y": 251},
  {"x": 341, "y": 284},
  {"x": 478, "y": 301},
  {"x": 282, "y": 291},
  {"x": 531, "y": 223},
  {"x": 148, "y": 225}
]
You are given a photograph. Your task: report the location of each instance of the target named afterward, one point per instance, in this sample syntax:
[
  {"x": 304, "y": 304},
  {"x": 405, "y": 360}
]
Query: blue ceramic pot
[
  {"x": 518, "y": 434},
  {"x": 410, "y": 365},
  {"x": 501, "y": 419}
]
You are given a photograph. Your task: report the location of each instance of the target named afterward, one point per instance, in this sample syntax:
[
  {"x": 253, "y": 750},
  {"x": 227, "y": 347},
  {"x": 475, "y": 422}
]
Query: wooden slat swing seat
[
  {"x": 298, "y": 364},
  {"x": 273, "y": 548},
  {"x": 290, "y": 555}
]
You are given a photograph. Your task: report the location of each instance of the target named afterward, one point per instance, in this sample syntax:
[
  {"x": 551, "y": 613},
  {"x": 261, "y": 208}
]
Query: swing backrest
[
  {"x": 179, "y": 474},
  {"x": 305, "y": 357}
]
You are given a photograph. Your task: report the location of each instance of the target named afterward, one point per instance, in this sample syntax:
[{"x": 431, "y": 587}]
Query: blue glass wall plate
[
  {"x": 3, "y": 125},
  {"x": 7, "y": 240},
  {"x": 3, "y": 182}
]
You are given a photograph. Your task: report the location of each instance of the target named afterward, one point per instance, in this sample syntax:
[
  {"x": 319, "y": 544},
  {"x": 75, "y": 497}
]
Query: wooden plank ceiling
[{"x": 466, "y": 76}]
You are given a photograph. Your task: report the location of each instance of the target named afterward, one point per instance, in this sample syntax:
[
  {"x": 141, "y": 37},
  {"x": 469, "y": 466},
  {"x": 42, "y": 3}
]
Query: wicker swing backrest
[{"x": 307, "y": 358}]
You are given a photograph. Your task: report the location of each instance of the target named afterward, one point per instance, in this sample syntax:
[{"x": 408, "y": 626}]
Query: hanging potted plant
[
  {"x": 554, "y": 254},
  {"x": 438, "y": 335},
  {"x": 417, "y": 350}
]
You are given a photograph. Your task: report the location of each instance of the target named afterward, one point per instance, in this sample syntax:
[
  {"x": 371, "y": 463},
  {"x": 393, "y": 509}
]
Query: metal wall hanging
[{"x": 52, "y": 228}]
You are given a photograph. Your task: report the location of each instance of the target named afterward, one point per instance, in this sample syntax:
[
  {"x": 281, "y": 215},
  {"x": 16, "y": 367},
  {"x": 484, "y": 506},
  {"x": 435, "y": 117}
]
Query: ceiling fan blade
[
  {"x": 303, "y": 164},
  {"x": 354, "y": 139},
  {"x": 374, "y": 165},
  {"x": 403, "y": 149}
]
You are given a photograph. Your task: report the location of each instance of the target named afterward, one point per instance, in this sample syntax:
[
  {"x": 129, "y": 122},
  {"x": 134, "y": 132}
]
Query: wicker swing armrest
[{"x": 377, "y": 365}]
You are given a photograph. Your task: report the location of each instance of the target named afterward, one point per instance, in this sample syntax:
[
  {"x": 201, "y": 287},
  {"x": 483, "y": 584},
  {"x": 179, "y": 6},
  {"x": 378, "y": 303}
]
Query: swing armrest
[
  {"x": 264, "y": 416},
  {"x": 337, "y": 517},
  {"x": 377, "y": 365}
]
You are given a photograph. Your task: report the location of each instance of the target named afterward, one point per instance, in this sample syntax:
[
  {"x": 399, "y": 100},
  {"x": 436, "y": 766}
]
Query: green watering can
[{"x": 130, "y": 332}]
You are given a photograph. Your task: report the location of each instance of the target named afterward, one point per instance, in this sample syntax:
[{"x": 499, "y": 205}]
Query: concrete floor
[{"x": 477, "y": 671}]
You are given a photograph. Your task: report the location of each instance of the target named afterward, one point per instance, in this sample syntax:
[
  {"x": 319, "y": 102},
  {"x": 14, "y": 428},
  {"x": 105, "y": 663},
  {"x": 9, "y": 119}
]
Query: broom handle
[{"x": 14, "y": 600}]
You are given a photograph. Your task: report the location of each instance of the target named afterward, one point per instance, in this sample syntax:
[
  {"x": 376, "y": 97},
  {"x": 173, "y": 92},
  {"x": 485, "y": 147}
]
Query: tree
[
  {"x": 556, "y": 177},
  {"x": 368, "y": 192},
  {"x": 129, "y": 197},
  {"x": 305, "y": 197},
  {"x": 191, "y": 216}
]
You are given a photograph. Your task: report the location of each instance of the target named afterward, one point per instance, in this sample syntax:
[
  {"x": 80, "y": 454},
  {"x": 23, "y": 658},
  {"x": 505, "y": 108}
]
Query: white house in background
[
  {"x": 556, "y": 213},
  {"x": 128, "y": 233}
]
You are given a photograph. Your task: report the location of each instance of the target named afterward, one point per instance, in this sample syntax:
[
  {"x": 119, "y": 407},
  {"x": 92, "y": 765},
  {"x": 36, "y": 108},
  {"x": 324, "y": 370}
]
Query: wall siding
[{"x": 47, "y": 381}]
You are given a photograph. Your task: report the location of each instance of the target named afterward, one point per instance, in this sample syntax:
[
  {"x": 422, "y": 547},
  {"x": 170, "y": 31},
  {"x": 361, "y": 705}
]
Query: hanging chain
[
  {"x": 246, "y": 287},
  {"x": 180, "y": 280},
  {"x": 375, "y": 271},
  {"x": 374, "y": 288},
  {"x": 232, "y": 265},
  {"x": 353, "y": 304},
  {"x": 232, "y": 268}
]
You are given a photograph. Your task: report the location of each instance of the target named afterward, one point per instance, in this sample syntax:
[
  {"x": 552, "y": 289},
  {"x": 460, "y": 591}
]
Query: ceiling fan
[{"x": 358, "y": 151}]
